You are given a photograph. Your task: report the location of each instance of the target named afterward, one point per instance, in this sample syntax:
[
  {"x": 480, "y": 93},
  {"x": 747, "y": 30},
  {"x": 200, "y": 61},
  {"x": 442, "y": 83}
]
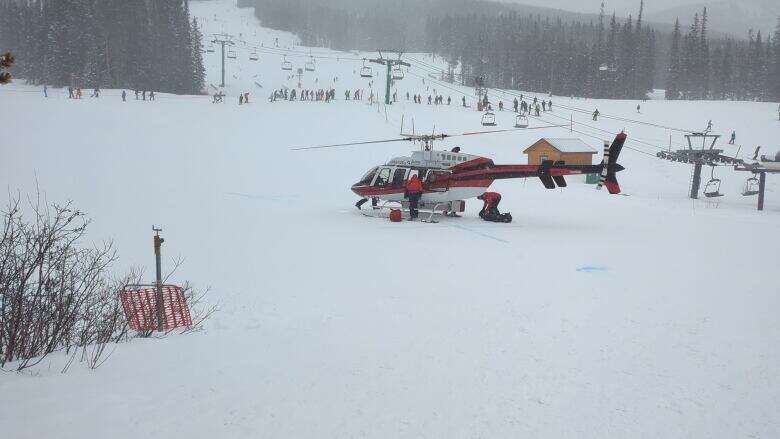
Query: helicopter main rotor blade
[
  {"x": 337, "y": 145},
  {"x": 475, "y": 133}
]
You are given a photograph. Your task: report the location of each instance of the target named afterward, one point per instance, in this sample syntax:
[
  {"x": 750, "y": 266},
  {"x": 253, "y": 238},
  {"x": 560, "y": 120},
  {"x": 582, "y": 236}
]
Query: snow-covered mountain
[{"x": 590, "y": 316}]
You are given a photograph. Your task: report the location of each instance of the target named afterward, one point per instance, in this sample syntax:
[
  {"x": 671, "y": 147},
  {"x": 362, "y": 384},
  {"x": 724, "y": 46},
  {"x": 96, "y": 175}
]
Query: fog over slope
[{"x": 730, "y": 16}]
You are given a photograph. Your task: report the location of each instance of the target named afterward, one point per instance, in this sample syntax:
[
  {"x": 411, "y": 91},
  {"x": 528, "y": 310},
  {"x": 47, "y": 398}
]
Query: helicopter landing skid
[{"x": 437, "y": 209}]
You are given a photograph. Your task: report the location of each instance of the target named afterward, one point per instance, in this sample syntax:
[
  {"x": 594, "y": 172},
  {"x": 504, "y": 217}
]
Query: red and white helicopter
[{"x": 450, "y": 177}]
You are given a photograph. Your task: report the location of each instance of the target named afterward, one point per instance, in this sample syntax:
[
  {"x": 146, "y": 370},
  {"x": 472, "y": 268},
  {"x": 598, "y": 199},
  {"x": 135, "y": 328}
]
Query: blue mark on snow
[
  {"x": 484, "y": 235},
  {"x": 592, "y": 269}
]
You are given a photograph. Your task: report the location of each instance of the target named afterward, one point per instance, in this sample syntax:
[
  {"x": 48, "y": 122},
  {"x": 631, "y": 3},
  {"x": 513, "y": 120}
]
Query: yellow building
[{"x": 571, "y": 151}]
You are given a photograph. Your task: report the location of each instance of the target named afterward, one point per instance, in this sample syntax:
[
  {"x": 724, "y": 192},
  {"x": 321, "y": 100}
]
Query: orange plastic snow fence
[{"x": 141, "y": 308}]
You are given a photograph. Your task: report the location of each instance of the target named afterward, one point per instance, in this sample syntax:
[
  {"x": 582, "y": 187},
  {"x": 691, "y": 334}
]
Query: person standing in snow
[
  {"x": 596, "y": 114},
  {"x": 413, "y": 193},
  {"x": 151, "y": 95},
  {"x": 549, "y": 105},
  {"x": 638, "y": 109},
  {"x": 96, "y": 93},
  {"x": 709, "y": 126},
  {"x": 124, "y": 96},
  {"x": 45, "y": 91},
  {"x": 136, "y": 95},
  {"x": 70, "y": 92},
  {"x": 449, "y": 100},
  {"x": 464, "y": 101},
  {"x": 240, "y": 99},
  {"x": 733, "y": 138},
  {"x": 515, "y": 104},
  {"x": 544, "y": 106}
]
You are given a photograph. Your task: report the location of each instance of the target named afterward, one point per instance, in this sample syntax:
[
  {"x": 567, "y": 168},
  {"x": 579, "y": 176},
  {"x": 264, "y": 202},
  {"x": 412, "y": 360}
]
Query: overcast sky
[{"x": 622, "y": 7}]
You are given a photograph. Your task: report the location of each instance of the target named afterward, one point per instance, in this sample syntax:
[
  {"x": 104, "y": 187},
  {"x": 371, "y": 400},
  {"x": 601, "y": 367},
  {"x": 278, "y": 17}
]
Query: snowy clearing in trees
[{"x": 589, "y": 316}]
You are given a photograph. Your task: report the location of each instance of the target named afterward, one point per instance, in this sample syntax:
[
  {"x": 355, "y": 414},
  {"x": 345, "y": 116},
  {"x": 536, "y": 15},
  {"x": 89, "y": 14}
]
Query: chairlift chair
[
  {"x": 309, "y": 66},
  {"x": 751, "y": 187},
  {"x": 286, "y": 65},
  {"x": 254, "y": 56},
  {"x": 489, "y": 119},
  {"x": 712, "y": 188},
  {"x": 365, "y": 71},
  {"x": 231, "y": 54},
  {"x": 521, "y": 121},
  {"x": 398, "y": 73}
]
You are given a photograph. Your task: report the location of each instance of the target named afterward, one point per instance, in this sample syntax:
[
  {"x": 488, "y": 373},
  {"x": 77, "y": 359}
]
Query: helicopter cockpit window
[
  {"x": 399, "y": 177},
  {"x": 384, "y": 177},
  {"x": 366, "y": 180}
]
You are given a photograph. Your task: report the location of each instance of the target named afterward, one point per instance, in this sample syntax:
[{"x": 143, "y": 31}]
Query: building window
[{"x": 542, "y": 159}]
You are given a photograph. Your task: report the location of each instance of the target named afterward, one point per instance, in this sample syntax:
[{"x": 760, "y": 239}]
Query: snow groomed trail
[{"x": 590, "y": 316}]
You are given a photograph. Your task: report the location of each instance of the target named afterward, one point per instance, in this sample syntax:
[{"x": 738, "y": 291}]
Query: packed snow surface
[{"x": 590, "y": 316}]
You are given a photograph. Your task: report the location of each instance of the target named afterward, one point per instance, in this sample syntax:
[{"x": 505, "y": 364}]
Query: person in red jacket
[
  {"x": 490, "y": 211},
  {"x": 491, "y": 200},
  {"x": 414, "y": 191}
]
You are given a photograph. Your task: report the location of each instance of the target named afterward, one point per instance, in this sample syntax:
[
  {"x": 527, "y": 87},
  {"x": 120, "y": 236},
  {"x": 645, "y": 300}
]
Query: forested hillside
[
  {"x": 140, "y": 44},
  {"x": 604, "y": 57}
]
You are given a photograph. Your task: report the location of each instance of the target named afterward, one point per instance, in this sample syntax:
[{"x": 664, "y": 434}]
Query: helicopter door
[
  {"x": 383, "y": 177},
  {"x": 438, "y": 181},
  {"x": 399, "y": 177}
]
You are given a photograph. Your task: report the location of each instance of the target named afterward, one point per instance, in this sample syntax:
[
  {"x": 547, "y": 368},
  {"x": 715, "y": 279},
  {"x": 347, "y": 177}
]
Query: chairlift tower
[
  {"x": 223, "y": 40},
  {"x": 389, "y": 63},
  {"x": 701, "y": 151}
]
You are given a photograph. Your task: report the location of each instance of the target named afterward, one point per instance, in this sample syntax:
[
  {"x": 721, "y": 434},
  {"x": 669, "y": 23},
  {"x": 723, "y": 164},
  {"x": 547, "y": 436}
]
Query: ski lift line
[
  {"x": 444, "y": 85},
  {"x": 548, "y": 122},
  {"x": 609, "y": 132},
  {"x": 600, "y": 138},
  {"x": 421, "y": 64}
]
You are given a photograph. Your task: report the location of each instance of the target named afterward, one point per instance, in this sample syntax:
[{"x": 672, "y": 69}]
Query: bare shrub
[{"x": 54, "y": 293}]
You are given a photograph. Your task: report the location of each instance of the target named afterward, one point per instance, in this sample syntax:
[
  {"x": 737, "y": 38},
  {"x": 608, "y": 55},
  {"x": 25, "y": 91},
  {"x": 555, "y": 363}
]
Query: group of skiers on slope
[
  {"x": 306, "y": 95},
  {"x": 76, "y": 93},
  {"x": 243, "y": 98},
  {"x": 518, "y": 106},
  {"x": 432, "y": 100}
]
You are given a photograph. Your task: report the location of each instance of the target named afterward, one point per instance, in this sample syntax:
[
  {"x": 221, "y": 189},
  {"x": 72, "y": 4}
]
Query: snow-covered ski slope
[{"x": 590, "y": 316}]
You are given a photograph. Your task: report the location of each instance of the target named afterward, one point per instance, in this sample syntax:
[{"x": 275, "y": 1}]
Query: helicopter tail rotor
[{"x": 610, "y": 166}]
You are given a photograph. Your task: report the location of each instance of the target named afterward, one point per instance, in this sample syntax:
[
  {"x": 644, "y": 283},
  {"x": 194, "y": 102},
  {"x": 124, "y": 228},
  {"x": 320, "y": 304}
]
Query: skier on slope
[
  {"x": 464, "y": 101},
  {"x": 549, "y": 105},
  {"x": 733, "y": 138},
  {"x": 596, "y": 114},
  {"x": 515, "y": 104},
  {"x": 124, "y": 96}
]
